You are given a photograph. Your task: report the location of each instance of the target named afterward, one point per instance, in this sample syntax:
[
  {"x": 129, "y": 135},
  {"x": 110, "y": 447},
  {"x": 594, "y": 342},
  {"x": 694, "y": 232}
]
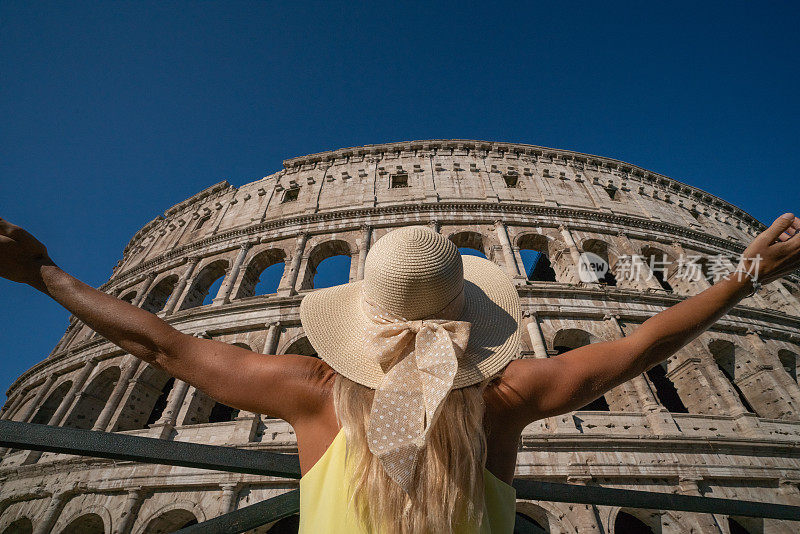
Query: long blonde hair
[{"x": 448, "y": 485}]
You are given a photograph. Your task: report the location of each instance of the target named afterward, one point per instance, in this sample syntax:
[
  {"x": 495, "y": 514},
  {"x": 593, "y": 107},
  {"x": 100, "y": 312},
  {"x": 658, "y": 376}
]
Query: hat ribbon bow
[{"x": 420, "y": 361}]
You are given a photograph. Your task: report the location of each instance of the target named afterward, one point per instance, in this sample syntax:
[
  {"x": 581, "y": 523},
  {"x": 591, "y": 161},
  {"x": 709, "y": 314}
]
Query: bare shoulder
[{"x": 508, "y": 397}]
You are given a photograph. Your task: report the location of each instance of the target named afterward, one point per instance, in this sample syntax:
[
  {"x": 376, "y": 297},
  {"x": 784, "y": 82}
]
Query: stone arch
[
  {"x": 129, "y": 296},
  {"x": 94, "y": 519},
  {"x": 172, "y": 517},
  {"x": 567, "y": 339},
  {"x": 608, "y": 253},
  {"x": 471, "y": 240},
  {"x": 22, "y": 408},
  {"x": 321, "y": 252},
  {"x": 662, "y": 264},
  {"x": 790, "y": 362},
  {"x": 538, "y": 266},
  {"x": 159, "y": 294},
  {"x": 637, "y": 521},
  {"x": 23, "y": 525},
  {"x": 256, "y": 268},
  {"x": 300, "y": 345},
  {"x": 530, "y": 516},
  {"x": 93, "y": 398},
  {"x": 49, "y": 407},
  {"x": 242, "y": 345},
  {"x": 725, "y": 356},
  {"x": 202, "y": 282},
  {"x": 147, "y": 399}
]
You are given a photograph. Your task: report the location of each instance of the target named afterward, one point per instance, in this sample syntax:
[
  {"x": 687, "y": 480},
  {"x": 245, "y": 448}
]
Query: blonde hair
[{"x": 448, "y": 485}]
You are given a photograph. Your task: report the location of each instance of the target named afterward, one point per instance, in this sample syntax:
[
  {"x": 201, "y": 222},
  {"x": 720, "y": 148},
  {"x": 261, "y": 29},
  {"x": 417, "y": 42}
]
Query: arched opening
[
  {"x": 740, "y": 525},
  {"x": 302, "y": 347},
  {"x": 789, "y": 361},
  {"x": 524, "y": 524},
  {"x": 22, "y": 525},
  {"x": 469, "y": 244},
  {"x": 221, "y": 413},
  {"x": 146, "y": 401},
  {"x": 158, "y": 296},
  {"x": 665, "y": 389},
  {"x": 660, "y": 264},
  {"x": 287, "y": 525},
  {"x": 49, "y": 407},
  {"x": 705, "y": 271},
  {"x": 263, "y": 274},
  {"x": 328, "y": 265},
  {"x": 85, "y": 524},
  {"x": 600, "y": 248},
  {"x": 205, "y": 285},
  {"x": 128, "y": 297},
  {"x": 533, "y": 249},
  {"x": 724, "y": 353},
  {"x": 572, "y": 338},
  {"x": 161, "y": 402},
  {"x": 626, "y": 523},
  {"x": 170, "y": 522},
  {"x": 93, "y": 399}
]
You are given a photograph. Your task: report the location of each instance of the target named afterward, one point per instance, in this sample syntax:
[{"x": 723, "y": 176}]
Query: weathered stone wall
[{"x": 720, "y": 418}]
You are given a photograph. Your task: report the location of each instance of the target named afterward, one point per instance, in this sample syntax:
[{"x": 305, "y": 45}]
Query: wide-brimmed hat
[
  {"x": 415, "y": 272},
  {"x": 423, "y": 321}
]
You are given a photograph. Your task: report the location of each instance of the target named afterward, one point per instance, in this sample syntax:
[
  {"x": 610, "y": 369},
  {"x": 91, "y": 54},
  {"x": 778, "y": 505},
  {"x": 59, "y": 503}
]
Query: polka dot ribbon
[{"x": 420, "y": 359}]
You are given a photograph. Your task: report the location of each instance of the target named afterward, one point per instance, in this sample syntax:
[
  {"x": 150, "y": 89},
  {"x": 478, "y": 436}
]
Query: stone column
[
  {"x": 116, "y": 395},
  {"x": 32, "y": 406},
  {"x": 520, "y": 264},
  {"x": 10, "y": 406},
  {"x": 703, "y": 523},
  {"x": 700, "y": 284},
  {"x": 227, "y": 503},
  {"x": 366, "y": 241},
  {"x": 67, "y": 404},
  {"x": 574, "y": 252},
  {"x": 143, "y": 291},
  {"x": 287, "y": 286},
  {"x": 162, "y": 429},
  {"x": 586, "y": 517},
  {"x": 225, "y": 289},
  {"x": 133, "y": 501},
  {"x": 535, "y": 333},
  {"x": 273, "y": 334},
  {"x": 50, "y": 516},
  {"x": 181, "y": 286},
  {"x": 789, "y": 390},
  {"x": 508, "y": 254},
  {"x": 642, "y": 276}
]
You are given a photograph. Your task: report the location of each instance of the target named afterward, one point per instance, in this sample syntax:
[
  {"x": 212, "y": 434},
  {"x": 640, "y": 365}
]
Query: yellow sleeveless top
[{"x": 323, "y": 501}]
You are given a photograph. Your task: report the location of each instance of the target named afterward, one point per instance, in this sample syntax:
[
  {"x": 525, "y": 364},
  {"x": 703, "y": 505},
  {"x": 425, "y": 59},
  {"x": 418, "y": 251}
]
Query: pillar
[
  {"x": 227, "y": 502},
  {"x": 273, "y": 334},
  {"x": 50, "y": 516},
  {"x": 37, "y": 400},
  {"x": 574, "y": 253},
  {"x": 642, "y": 276},
  {"x": 366, "y": 241},
  {"x": 143, "y": 291},
  {"x": 535, "y": 333},
  {"x": 163, "y": 428},
  {"x": 702, "y": 523},
  {"x": 224, "y": 293},
  {"x": 287, "y": 286},
  {"x": 133, "y": 501},
  {"x": 116, "y": 395},
  {"x": 181, "y": 286},
  {"x": 67, "y": 404},
  {"x": 505, "y": 244}
]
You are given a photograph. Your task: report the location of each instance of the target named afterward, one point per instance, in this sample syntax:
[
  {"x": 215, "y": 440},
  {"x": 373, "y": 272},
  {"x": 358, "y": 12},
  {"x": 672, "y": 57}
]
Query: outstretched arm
[
  {"x": 283, "y": 386},
  {"x": 542, "y": 388}
]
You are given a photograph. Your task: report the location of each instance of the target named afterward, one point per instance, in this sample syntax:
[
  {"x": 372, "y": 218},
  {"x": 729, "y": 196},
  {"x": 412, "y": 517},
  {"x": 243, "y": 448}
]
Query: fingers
[
  {"x": 778, "y": 227},
  {"x": 791, "y": 231}
]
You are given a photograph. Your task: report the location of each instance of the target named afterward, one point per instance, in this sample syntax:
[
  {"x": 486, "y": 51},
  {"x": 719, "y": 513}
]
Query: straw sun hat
[
  {"x": 423, "y": 321},
  {"x": 415, "y": 272}
]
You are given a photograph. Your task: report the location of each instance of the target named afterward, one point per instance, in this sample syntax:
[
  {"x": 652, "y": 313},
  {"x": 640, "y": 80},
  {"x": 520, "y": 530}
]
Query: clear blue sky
[{"x": 113, "y": 112}]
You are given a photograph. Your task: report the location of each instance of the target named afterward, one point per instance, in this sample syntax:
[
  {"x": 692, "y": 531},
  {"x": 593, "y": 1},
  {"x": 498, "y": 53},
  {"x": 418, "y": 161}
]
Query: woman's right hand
[{"x": 21, "y": 255}]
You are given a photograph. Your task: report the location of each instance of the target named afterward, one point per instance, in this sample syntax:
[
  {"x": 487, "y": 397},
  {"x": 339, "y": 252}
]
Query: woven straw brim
[{"x": 334, "y": 322}]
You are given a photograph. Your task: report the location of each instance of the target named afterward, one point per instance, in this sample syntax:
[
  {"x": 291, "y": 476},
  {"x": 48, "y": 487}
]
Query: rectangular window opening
[
  {"x": 290, "y": 195},
  {"x": 398, "y": 180}
]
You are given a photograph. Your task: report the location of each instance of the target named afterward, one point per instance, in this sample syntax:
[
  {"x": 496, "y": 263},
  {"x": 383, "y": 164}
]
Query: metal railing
[{"x": 151, "y": 450}]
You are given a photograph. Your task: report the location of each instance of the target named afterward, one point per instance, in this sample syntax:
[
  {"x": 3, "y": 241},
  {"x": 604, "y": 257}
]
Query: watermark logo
[{"x": 591, "y": 267}]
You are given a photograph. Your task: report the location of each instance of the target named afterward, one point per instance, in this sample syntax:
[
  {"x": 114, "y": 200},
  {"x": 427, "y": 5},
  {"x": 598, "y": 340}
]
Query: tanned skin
[{"x": 298, "y": 388}]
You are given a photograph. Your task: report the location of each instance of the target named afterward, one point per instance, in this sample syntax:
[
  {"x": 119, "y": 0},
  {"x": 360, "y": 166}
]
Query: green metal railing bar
[
  {"x": 150, "y": 450},
  {"x": 249, "y": 517}
]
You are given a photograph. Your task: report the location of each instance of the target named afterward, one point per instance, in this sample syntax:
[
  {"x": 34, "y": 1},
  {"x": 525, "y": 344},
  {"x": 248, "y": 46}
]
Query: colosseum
[{"x": 720, "y": 418}]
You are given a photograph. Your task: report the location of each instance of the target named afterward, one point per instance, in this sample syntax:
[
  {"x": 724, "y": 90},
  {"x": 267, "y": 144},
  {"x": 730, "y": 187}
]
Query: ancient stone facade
[{"x": 720, "y": 418}]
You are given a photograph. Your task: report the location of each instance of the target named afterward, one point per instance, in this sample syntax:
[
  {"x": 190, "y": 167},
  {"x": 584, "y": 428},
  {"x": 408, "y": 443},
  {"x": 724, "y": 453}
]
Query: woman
[{"x": 417, "y": 382}]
